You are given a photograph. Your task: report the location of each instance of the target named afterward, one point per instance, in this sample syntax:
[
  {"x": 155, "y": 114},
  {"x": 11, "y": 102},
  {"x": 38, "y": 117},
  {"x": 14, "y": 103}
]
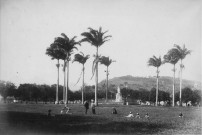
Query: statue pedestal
[{"x": 118, "y": 97}]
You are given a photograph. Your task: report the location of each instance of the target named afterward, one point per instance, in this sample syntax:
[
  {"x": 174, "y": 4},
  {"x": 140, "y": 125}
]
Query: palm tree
[
  {"x": 56, "y": 53},
  {"x": 81, "y": 58},
  {"x": 68, "y": 46},
  {"x": 183, "y": 53},
  {"x": 106, "y": 61},
  {"x": 156, "y": 62},
  {"x": 172, "y": 57},
  {"x": 95, "y": 38}
]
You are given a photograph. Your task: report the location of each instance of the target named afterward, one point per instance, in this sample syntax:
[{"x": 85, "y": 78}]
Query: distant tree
[
  {"x": 152, "y": 95},
  {"x": 44, "y": 90},
  {"x": 183, "y": 52},
  {"x": 107, "y": 62},
  {"x": 187, "y": 94},
  {"x": 156, "y": 62},
  {"x": 7, "y": 89},
  {"x": 126, "y": 84},
  {"x": 126, "y": 92},
  {"x": 81, "y": 58},
  {"x": 164, "y": 96},
  {"x": 196, "y": 97},
  {"x": 172, "y": 57},
  {"x": 95, "y": 38},
  {"x": 135, "y": 94},
  {"x": 144, "y": 95}
]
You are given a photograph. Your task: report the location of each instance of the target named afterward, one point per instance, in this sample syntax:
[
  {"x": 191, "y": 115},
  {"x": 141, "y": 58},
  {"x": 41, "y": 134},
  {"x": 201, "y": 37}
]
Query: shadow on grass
[{"x": 35, "y": 123}]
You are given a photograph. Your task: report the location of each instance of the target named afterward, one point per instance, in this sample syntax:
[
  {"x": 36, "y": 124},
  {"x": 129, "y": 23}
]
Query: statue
[{"x": 118, "y": 95}]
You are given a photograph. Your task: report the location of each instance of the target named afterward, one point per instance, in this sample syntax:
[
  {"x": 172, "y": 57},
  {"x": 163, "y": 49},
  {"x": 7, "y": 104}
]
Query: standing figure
[
  {"x": 49, "y": 113},
  {"x": 93, "y": 107},
  {"x": 86, "y": 105}
]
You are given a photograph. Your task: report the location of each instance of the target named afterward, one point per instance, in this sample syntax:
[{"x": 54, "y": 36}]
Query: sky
[{"x": 139, "y": 30}]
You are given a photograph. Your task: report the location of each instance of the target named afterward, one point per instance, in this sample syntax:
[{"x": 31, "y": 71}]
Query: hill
[{"x": 165, "y": 83}]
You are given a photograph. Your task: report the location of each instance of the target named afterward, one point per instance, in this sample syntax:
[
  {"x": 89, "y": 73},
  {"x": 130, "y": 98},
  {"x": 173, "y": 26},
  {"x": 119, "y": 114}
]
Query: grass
[{"x": 32, "y": 119}]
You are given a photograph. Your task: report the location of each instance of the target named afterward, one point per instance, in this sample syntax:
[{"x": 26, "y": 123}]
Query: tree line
[
  {"x": 150, "y": 95},
  {"x": 46, "y": 93}
]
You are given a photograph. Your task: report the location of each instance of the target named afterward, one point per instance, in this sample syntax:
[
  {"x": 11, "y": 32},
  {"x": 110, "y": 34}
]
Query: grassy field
[{"x": 32, "y": 119}]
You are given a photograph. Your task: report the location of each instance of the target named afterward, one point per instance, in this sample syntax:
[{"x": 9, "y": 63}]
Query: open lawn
[{"x": 33, "y": 119}]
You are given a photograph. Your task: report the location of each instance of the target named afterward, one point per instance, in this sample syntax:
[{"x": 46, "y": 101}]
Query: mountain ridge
[{"x": 165, "y": 83}]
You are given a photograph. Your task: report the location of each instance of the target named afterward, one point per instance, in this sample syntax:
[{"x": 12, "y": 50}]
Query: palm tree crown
[
  {"x": 68, "y": 45},
  {"x": 182, "y": 51},
  {"x": 55, "y": 52},
  {"x": 154, "y": 61},
  {"x": 81, "y": 58},
  {"x": 95, "y": 37},
  {"x": 172, "y": 56},
  {"x": 106, "y": 61}
]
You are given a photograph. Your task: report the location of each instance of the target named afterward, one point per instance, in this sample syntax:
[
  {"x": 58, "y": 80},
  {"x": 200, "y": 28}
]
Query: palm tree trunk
[
  {"x": 96, "y": 79},
  {"x": 56, "y": 101},
  {"x": 67, "y": 86},
  {"x": 64, "y": 87},
  {"x": 107, "y": 86},
  {"x": 174, "y": 85},
  {"x": 157, "y": 86},
  {"x": 181, "y": 83},
  {"x": 83, "y": 86}
]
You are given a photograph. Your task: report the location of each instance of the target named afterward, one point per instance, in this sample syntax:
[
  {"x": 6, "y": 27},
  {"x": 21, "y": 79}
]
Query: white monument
[{"x": 118, "y": 95}]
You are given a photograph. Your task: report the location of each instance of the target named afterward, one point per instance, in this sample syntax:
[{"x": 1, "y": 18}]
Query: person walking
[{"x": 86, "y": 105}]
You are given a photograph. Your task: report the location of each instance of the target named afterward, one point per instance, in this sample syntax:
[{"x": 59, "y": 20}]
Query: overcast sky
[{"x": 139, "y": 29}]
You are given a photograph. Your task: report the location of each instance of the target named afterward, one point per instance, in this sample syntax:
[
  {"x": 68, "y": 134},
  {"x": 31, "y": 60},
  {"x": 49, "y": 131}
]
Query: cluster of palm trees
[
  {"x": 63, "y": 47},
  {"x": 173, "y": 56}
]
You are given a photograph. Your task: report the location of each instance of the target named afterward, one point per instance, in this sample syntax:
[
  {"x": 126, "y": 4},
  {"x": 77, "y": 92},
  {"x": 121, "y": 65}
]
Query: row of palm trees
[
  {"x": 173, "y": 56},
  {"x": 63, "y": 47}
]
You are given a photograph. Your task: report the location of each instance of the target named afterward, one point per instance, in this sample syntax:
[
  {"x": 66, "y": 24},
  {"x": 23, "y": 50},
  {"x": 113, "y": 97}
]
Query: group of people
[
  {"x": 86, "y": 105},
  {"x": 66, "y": 110},
  {"x": 137, "y": 115}
]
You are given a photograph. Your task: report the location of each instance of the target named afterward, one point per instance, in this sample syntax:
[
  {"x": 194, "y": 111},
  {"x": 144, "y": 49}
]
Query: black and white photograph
[{"x": 100, "y": 67}]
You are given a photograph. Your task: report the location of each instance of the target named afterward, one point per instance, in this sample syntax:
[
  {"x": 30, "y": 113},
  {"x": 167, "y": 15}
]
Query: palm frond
[
  {"x": 182, "y": 50},
  {"x": 66, "y": 38},
  {"x": 172, "y": 56}
]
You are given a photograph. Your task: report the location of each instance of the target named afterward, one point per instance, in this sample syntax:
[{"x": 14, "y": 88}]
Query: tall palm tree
[
  {"x": 183, "y": 53},
  {"x": 156, "y": 62},
  {"x": 68, "y": 46},
  {"x": 172, "y": 57},
  {"x": 106, "y": 61},
  {"x": 56, "y": 53},
  {"x": 64, "y": 72},
  {"x": 95, "y": 38},
  {"x": 81, "y": 58}
]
